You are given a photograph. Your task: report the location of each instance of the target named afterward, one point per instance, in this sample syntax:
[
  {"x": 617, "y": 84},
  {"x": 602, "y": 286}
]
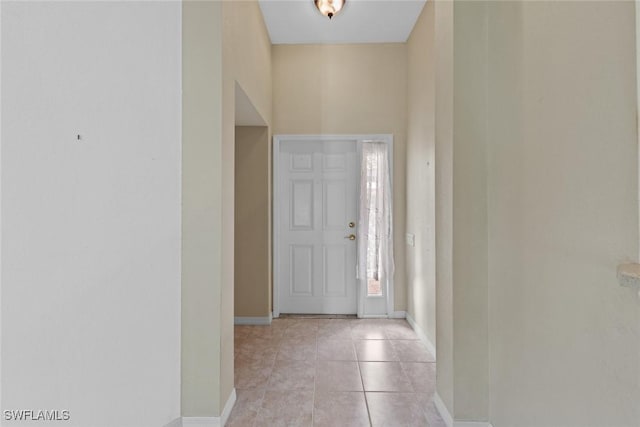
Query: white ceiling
[{"x": 360, "y": 21}]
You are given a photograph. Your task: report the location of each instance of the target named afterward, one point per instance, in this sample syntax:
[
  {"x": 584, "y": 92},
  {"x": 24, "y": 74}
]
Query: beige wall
[
  {"x": 201, "y": 207},
  {"x": 444, "y": 199},
  {"x": 470, "y": 216},
  {"x": 461, "y": 209},
  {"x": 536, "y": 187},
  {"x": 347, "y": 89},
  {"x": 252, "y": 207},
  {"x": 223, "y": 43},
  {"x": 565, "y": 337},
  {"x": 420, "y": 259},
  {"x": 247, "y": 54},
  {"x": 247, "y": 61}
]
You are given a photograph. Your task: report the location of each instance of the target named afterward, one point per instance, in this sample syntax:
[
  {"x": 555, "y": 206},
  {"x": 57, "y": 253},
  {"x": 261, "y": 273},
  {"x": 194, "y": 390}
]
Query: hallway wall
[
  {"x": 420, "y": 172},
  {"x": 562, "y": 181},
  {"x": 252, "y": 222},
  {"x": 201, "y": 208},
  {"x": 461, "y": 209},
  {"x": 444, "y": 200},
  {"x": 536, "y": 186},
  {"x": 246, "y": 62},
  {"x": 348, "y": 89},
  {"x": 91, "y": 227},
  {"x": 225, "y": 43}
]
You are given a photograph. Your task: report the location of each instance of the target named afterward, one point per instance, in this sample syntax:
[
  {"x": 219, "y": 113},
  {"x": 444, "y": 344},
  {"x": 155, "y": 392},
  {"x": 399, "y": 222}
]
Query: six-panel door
[{"x": 318, "y": 201}]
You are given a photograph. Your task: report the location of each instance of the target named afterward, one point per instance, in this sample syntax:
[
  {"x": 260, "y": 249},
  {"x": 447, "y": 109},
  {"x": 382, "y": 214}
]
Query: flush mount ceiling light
[{"x": 329, "y": 7}]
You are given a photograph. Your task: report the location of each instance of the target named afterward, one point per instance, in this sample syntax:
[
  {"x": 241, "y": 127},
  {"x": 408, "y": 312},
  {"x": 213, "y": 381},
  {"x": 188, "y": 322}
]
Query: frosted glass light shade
[{"x": 329, "y": 7}]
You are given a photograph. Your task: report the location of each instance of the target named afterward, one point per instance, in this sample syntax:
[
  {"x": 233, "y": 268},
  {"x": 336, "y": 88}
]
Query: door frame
[{"x": 359, "y": 138}]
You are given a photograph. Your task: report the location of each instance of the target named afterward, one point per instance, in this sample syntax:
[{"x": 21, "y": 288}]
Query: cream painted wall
[
  {"x": 247, "y": 62},
  {"x": 461, "y": 209},
  {"x": 470, "y": 216},
  {"x": 224, "y": 43},
  {"x": 201, "y": 208},
  {"x": 420, "y": 172},
  {"x": 247, "y": 54},
  {"x": 252, "y": 208},
  {"x": 444, "y": 200},
  {"x": 536, "y": 187},
  {"x": 348, "y": 89},
  {"x": 565, "y": 337}
]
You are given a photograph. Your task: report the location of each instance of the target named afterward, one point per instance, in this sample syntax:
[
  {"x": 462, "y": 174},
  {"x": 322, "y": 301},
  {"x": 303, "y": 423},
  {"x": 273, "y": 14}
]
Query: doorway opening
[{"x": 252, "y": 211}]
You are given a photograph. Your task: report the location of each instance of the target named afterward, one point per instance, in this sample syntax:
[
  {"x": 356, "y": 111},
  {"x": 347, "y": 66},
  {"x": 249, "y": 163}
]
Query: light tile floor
[{"x": 333, "y": 372}]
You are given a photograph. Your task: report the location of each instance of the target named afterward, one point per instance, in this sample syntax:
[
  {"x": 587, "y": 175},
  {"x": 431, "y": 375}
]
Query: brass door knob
[{"x": 350, "y": 237}]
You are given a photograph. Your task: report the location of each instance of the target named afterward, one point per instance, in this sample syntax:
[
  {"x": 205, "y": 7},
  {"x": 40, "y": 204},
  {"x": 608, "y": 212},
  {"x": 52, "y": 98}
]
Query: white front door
[{"x": 317, "y": 197}]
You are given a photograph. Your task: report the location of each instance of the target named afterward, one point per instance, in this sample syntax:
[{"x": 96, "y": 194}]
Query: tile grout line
[
  {"x": 275, "y": 361},
  {"x": 266, "y": 388},
  {"x": 364, "y": 391},
  {"x": 315, "y": 383}
]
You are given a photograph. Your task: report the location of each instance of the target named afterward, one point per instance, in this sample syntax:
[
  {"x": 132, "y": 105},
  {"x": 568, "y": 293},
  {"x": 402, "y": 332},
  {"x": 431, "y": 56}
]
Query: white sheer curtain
[{"x": 375, "y": 234}]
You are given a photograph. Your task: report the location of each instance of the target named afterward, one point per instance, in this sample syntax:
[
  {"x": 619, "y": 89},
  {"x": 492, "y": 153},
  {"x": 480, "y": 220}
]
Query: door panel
[
  {"x": 301, "y": 270},
  {"x": 318, "y": 199},
  {"x": 334, "y": 201},
  {"x": 301, "y": 162},
  {"x": 335, "y": 270},
  {"x": 301, "y": 203}
]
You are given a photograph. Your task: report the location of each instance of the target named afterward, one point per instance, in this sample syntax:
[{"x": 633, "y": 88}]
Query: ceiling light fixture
[{"x": 329, "y": 7}]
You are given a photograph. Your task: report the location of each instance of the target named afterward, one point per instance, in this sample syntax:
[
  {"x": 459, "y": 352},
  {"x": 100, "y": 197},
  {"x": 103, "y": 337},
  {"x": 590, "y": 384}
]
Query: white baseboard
[
  {"x": 421, "y": 334},
  {"x": 442, "y": 408},
  {"x": 175, "y": 423},
  {"x": 201, "y": 422},
  {"x": 228, "y": 407},
  {"x": 392, "y": 315},
  {"x": 472, "y": 424},
  {"x": 397, "y": 315},
  {"x": 448, "y": 419},
  {"x": 266, "y": 320},
  {"x": 208, "y": 421}
]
